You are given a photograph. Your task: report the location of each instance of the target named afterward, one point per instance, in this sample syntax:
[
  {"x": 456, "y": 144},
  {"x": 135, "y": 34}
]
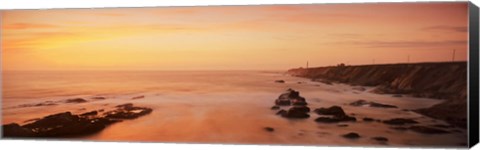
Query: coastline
[{"x": 442, "y": 80}]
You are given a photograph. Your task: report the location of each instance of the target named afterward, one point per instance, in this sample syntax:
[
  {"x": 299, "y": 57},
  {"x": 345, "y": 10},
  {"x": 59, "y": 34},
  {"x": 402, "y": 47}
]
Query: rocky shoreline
[
  {"x": 290, "y": 105},
  {"x": 66, "y": 124},
  {"x": 445, "y": 80}
]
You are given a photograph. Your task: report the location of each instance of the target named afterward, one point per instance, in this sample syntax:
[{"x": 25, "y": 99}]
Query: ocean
[{"x": 213, "y": 107}]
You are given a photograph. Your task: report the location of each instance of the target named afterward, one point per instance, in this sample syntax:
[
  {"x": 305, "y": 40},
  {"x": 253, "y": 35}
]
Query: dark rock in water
[
  {"x": 399, "y": 128},
  {"x": 400, "y": 121},
  {"x": 337, "y": 113},
  {"x": 368, "y": 119},
  {"x": 92, "y": 113},
  {"x": 125, "y": 105},
  {"x": 67, "y": 124},
  {"x": 334, "y": 110},
  {"x": 342, "y": 125},
  {"x": 290, "y": 97},
  {"x": 15, "y": 130},
  {"x": 99, "y": 98},
  {"x": 299, "y": 102},
  {"x": 300, "y": 108},
  {"x": 127, "y": 111},
  {"x": 351, "y": 135},
  {"x": 380, "y": 139},
  {"x": 371, "y": 104},
  {"x": 427, "y": 130},
  {"x": 283, "y": 100},
  {"x": 359, "y": 103},
  {"x": 138, "y": 97},
  {"x": 279, "y": 81},
  {"x": 335, "y": 119},
  {"x": 275, "y": 107},
  {"x": 269, "y": 129},
  {"x": 46, "y": 103},
  {"x": 281, "y": 112},
  {"x": 297, "y": 112},
  {"x": 76, "y": 100}
]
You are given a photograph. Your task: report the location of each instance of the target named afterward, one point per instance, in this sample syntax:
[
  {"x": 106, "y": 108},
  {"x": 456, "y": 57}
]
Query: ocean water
[
  {"x": 215, "y": 107},
  {"x": 27, "y": 85}
]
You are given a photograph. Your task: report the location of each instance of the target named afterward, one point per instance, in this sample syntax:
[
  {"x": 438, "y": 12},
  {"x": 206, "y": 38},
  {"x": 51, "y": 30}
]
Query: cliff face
[{"x": 432, "y": 80}]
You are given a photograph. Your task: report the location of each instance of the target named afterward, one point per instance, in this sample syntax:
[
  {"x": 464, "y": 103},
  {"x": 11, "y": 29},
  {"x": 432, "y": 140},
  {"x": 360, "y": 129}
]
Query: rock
[
  {"x": 380, "y": 139},
  {"x": 127, "y": 111},
  {"x": 46, "y": 103},
  {"x": 427, "y": 130},
  {"x": 282, "y": 112},
  {"x": 299, "y": 103},
  {"x": 283, "y": 100},
  {"x": 400, "y": 121},
  {"x": 351, "y": 135},
  {"x": 67, "y": 124},
  {"x": 275, "y": 107},
  {"x": 371, "y": 104},
  {"x": 76, "y": 100},
  {"x": 366, "y": 119},
  {"x": 359, "y": 103},
  {"x": 279, "y": 81},
  {"x": 99, "y": 98},
  {"x": 342, "y": 125},
  {"x": 138, "y": 97},
  {"x": 337, "y": 115},
  {"x": 15, "y": 130},
  {"x": 125, "y": 105},
  {"x": 297, "y": 112},
  {"x": 290, "y": 97},
  {"x": 92, "y": 113},
  {"x": 269, "y": 129},
  {"x": 300, "y": 108},
  {"x": 334, "y": 110},
  {"x": 335, "y": 119}
]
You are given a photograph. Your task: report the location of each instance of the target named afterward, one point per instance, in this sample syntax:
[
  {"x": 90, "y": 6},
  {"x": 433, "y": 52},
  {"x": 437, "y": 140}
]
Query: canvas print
[{"x": 376, "y": 74}]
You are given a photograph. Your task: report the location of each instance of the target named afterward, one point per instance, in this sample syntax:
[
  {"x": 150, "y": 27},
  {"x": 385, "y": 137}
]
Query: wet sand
[{"x": 239, "y": 116}]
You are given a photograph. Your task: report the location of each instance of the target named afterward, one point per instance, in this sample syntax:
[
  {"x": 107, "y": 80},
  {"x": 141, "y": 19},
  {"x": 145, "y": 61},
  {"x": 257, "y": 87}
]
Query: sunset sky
[{"x": 268, "y": 37}]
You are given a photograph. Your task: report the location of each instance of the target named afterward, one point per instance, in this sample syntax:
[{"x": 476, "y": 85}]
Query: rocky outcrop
[
  {"x": 290, "y": 97},
  {"x": 299, "y": 112},
  {"x": 443, "y": 80},
  {"x": 371, "y": 104},
  {"x": 68, "y": 124},
  {"x": 295, "y": 102},
  {"x": 335, "y": 114}
]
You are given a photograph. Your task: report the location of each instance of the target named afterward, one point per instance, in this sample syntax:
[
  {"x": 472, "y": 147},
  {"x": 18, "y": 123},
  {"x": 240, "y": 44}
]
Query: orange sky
[{"x": 232, "y": 37}]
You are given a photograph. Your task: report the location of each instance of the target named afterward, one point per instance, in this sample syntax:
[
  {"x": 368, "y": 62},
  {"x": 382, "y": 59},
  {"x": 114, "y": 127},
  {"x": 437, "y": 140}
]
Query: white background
[{"x": 50, "y": 145}]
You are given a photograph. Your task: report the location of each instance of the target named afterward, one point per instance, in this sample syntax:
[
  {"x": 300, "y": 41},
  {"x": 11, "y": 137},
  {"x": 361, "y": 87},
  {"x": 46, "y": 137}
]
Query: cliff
[{"x": 442, "y": 80}]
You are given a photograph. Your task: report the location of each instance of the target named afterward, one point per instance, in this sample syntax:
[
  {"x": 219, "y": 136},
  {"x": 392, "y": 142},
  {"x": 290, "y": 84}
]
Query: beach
[{"x": 228, "y": 107}]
